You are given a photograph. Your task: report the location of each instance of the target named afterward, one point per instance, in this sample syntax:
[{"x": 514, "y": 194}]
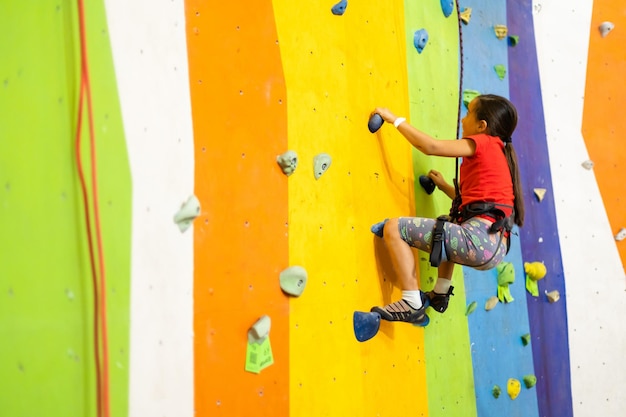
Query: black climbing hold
[
  {"x": 340, "y": 8},
  {"x": 427, "y": 184},
  {"x": 375, "y": 122}
]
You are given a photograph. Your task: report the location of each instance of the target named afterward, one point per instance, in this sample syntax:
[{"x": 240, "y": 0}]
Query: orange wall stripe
[
  {"x": 603, "y": 117},
  {"x": 239, "y": 117}
]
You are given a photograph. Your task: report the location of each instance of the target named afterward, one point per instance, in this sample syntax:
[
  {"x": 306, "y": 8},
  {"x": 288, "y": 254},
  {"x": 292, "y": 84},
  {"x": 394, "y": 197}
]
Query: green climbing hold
[
  {"x": 526, "y": 339},
  {"x": 513, "y": 40},
  {"x": 530, "y": 381},
  {"x": 470, "y": 308},
  {"x": 506, "y": 276},
  {"x": 496, "y": 391},
  {"x": 469, "y": 95},
  {"x": 500, "y": 70}
]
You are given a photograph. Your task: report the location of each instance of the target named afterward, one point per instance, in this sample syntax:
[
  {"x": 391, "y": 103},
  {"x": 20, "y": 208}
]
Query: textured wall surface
[{"x": 197, "y": 98}]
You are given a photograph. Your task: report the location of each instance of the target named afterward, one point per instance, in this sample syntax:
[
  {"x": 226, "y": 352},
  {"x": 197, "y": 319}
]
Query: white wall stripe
[
  {"x": 594, "y": 278},
  {"x": 150, "y": 55}
]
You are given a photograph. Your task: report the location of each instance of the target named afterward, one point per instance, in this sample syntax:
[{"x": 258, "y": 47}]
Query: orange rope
[{"x": 99, "y": 291}]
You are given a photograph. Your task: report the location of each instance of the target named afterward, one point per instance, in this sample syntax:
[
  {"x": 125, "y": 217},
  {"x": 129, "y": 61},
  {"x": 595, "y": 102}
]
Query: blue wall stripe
[
  {"x": 495, "y": 336},
  {"x": 539, "y": 236}
]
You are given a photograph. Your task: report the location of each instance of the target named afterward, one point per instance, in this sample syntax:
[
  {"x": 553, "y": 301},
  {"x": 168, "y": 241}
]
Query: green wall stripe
[
  {"x": 433, "y": 96},
  {"x": 46, "y": 316}
]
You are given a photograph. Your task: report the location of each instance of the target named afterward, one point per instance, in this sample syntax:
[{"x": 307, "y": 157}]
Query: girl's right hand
[{"x": 386, "y": 114}]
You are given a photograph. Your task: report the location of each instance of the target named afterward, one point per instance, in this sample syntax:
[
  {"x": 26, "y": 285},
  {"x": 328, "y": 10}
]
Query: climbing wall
[
  {"x": 153, "y": 63},
  {"x": 602, "y": 127},
  {"x": 209, "y": 96},
  {"x": 592, "y": 268},
  {"x": 333, "y": 83},
  {"x": 240, "y": 240},
  {"x": 46, "y": 289}
]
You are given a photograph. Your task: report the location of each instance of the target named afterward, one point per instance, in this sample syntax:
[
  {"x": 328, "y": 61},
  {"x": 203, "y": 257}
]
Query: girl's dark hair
[{"x": 501, "y": 117}]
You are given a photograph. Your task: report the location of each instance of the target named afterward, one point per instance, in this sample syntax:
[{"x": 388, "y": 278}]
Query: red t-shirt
[{"x": 485, "y": 176}]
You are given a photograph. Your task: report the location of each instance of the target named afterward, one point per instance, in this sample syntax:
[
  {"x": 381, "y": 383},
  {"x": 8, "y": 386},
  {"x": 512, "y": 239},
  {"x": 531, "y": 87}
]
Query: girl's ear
[{"x": 482, "y": 126}]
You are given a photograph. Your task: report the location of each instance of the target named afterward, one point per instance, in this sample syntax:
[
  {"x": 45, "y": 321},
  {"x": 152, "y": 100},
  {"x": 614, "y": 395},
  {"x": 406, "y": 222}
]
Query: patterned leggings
[{"x": 468, "y": 243}]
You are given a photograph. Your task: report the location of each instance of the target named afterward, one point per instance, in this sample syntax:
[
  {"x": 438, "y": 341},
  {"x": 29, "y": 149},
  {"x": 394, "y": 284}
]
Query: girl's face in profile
[{"x": 470, "y": 123}]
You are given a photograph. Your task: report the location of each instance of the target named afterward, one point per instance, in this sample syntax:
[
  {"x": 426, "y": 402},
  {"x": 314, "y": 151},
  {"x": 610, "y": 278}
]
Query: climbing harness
[{"x": 501, "y": 224}]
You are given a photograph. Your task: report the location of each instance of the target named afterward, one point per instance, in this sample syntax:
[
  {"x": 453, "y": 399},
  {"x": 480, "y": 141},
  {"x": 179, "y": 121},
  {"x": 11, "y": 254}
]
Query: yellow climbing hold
[
  {"x": 466, "y": 15},
  {"x": 534, "y": 272},
  {"x": 513, "y": 387},
  {"x": 501, "y": 31}
]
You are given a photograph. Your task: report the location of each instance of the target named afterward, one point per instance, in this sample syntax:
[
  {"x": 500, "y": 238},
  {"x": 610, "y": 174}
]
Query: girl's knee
[{"x": 391, "y": 229}]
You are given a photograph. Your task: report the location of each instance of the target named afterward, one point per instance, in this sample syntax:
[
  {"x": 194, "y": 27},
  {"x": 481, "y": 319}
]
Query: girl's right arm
[{"x": 442, "y": 184}]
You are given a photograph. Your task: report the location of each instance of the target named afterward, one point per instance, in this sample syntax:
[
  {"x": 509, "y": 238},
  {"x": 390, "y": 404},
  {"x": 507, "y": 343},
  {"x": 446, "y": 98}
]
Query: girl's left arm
[{"x": 426, "y": 143}]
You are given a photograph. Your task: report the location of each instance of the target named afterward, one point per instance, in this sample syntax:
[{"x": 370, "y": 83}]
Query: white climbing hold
[
  {"x": 260, "y": 330},
  {"x": 553, "y": 296},
  {"x": 288, "y": 162},
  {"x": 491, "y": 303},
  {"x": 588, "y": 164},
  {"x": 540, "y": 193},
  {"x": 187, "y": 213},
  {"x": 621, "y": 235},
  {"x": 606, "y": 28},
  {"x": 321, "y": 163},
  {"x": 293, "y": 280}
]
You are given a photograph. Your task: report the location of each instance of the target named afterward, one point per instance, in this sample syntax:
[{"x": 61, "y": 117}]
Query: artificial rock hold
[
  {"x": 469, "y": 95},
  {"x": 606, "y": 28},
  {"x": 470, "y": 308},
  {"x": 420, "y": 39},
  {"x": 491, "y": 303},
  {"x": 466, "y": 15},
  {"x": 321, "y": 163},
  {"x": 288, "y": 162},
  {"x": 293, "y": 280},
  {"x": 447, "y": 6},
  {"x": 339, "y": 8},
  {"x": 530, "y": 381},
  {"x": 260, "y": 330},
  {"x": 553, "y": 296},
  {"x": 500, "y": 31},
  {"x": 540, "y": 193},
  {"x": 513, "y": 387},
  {"x": 375, "y": 122},
  {"x": 187, "y": 213},
  {"x": 534, "y": 272}
]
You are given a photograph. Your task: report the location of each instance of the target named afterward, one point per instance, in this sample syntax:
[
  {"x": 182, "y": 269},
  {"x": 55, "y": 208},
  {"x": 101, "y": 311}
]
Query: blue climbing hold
[
  {"x": 340, "y": 8},
  {"x": 377, "y": 229},
  {"x": 375, "y": 122},
  {"x": 447, "y": 6},
  {"x": 366, "y": 325},
  {"x": 420, "y": 38}
]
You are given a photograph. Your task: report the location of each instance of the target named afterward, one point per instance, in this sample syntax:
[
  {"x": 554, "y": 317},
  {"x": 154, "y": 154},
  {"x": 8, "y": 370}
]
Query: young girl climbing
[{"x": 487, "y": 201}]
